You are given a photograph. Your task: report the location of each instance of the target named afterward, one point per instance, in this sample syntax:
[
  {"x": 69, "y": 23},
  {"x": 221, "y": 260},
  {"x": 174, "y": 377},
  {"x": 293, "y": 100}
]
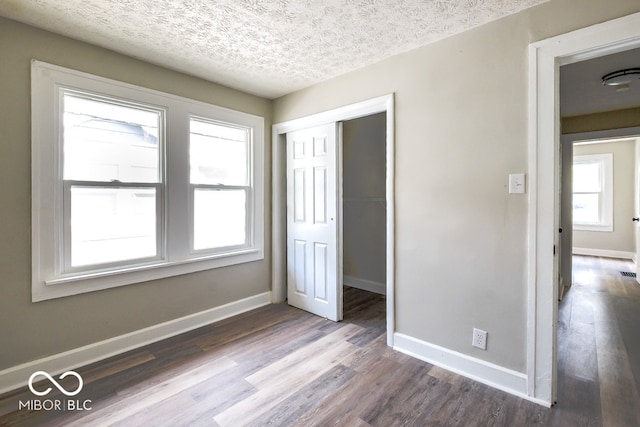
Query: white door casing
[
  {"x": 381, "y": 104},
  {"x": 636, "y": 213},
  {"x": 545, "y": 58},
  {"x": 313, "y": 221}
]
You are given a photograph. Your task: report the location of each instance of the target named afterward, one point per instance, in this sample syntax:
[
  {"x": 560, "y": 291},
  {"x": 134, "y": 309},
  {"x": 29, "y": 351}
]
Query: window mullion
[{"x": 178, "y": 198}]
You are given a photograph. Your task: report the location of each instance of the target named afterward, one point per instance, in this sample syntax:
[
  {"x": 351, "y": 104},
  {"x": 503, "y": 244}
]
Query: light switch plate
[{"x": 516, "y": 183}]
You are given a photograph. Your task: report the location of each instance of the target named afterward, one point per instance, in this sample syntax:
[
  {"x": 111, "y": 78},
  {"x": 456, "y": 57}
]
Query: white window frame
[
  {"x": 606, "y": 194},
  {"x": 64, "y": 260},
  {"x": 49, "y": 277},
  {"x": 221, "y": 187}
]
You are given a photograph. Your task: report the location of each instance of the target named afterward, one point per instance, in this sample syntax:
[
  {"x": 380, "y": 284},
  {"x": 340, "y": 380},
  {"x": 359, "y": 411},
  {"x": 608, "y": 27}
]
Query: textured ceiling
[{"x": 265, "y": 47}]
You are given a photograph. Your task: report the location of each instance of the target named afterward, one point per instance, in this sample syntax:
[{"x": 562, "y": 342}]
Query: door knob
[{"x": 636, "y": 219}]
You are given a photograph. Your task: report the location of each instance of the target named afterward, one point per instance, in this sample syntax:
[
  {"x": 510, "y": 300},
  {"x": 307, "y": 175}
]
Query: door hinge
[{"x": 554, "y": 249}]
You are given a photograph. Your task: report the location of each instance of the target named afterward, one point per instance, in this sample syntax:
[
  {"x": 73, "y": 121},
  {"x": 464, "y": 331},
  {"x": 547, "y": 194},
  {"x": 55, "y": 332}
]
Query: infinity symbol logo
[{"x": 55, "y": 383}]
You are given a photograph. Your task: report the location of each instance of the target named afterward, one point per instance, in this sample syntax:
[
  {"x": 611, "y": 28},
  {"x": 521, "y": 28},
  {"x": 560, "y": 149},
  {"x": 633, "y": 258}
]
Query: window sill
[
  {"x": 593, "y": 227},
  {"x": 94, "y": 281}
]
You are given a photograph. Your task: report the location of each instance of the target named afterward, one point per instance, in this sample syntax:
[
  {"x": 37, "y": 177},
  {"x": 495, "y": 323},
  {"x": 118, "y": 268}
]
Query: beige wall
[
  {"x": 602, "y": 121},
  {"x": 461, "y": 128},
  {"x": 364, "y": 194},
  {"x": 622, "y": 237},
  {"x": 29, "y": 331}
]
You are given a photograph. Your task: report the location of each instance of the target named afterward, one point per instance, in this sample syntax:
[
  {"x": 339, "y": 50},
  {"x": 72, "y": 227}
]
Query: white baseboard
[
  {"x": 604, "y": 253},
  {"x": 18, "y": 376},
  {"x": 496, "y": 376},
  {"x": 367, "y": 285}
]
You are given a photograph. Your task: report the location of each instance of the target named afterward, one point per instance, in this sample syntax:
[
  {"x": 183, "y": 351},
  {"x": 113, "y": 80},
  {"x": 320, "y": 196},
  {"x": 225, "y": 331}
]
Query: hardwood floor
[
  {"x": 598, "y": 344},
  {"x": 279, "y": 366}
]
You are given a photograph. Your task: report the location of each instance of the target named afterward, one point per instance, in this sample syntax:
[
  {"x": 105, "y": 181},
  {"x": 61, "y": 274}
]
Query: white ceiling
[
  {"x": 265, "y": 47},
  {"x": 582, "y": 91}
]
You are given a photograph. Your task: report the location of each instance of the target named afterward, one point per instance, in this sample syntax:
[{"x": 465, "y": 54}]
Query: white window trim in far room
[
  {"x": 49, "y": 280},
  {"x": 606, "y": 202}
]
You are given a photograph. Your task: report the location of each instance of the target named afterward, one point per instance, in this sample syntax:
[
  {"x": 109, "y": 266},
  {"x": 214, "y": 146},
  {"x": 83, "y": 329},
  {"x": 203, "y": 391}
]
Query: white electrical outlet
[{"x": 479, "y": 338}]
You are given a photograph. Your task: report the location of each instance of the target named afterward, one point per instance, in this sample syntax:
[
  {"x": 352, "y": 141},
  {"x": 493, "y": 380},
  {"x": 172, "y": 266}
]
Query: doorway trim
[
  {"x": 545, "y": 59},
  {"x": 382, "y": 104}
]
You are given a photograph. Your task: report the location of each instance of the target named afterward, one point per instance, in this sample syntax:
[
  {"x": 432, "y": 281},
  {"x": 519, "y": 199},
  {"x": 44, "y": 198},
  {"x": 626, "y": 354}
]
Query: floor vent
[{"x": 628, "y": 274}]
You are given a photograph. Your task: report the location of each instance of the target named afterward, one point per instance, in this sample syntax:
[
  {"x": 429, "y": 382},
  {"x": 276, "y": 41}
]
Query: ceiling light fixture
[
  {"x": 621, "y": 77},
  {"x": 623, "y": 88}
]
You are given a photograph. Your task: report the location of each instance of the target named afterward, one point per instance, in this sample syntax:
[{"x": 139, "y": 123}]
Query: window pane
[
  {"x": 219, "y": 218},
  {"x": 105, "y": 141},
  {"x": 586, "y": 177},
  {"x": 586, "y": 208},
  {"x": 218, "y": 154},
  {"x": 112, "y": 224}
]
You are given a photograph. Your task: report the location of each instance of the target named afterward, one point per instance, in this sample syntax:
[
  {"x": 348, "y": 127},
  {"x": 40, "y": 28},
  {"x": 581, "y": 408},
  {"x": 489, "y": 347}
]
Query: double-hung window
[
  {"x": 219, "y": 176},
  {"x": 593, "y": 192},
  {"x": 131, "y": 184},
  {"x": 112, "y": 182}
]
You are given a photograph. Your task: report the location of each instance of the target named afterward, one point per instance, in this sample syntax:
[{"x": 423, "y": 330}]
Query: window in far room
[{"x": 593, "y": 192}]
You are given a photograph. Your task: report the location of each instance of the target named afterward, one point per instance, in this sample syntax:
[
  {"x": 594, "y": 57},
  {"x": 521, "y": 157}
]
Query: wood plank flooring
[
  {"x": 279, "y": 366},
  {"x": 598, "y": 344}
]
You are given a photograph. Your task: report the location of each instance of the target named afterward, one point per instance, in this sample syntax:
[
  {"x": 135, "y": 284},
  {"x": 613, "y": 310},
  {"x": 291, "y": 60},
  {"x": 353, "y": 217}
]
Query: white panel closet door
[{"x": 313, "y": 267}]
